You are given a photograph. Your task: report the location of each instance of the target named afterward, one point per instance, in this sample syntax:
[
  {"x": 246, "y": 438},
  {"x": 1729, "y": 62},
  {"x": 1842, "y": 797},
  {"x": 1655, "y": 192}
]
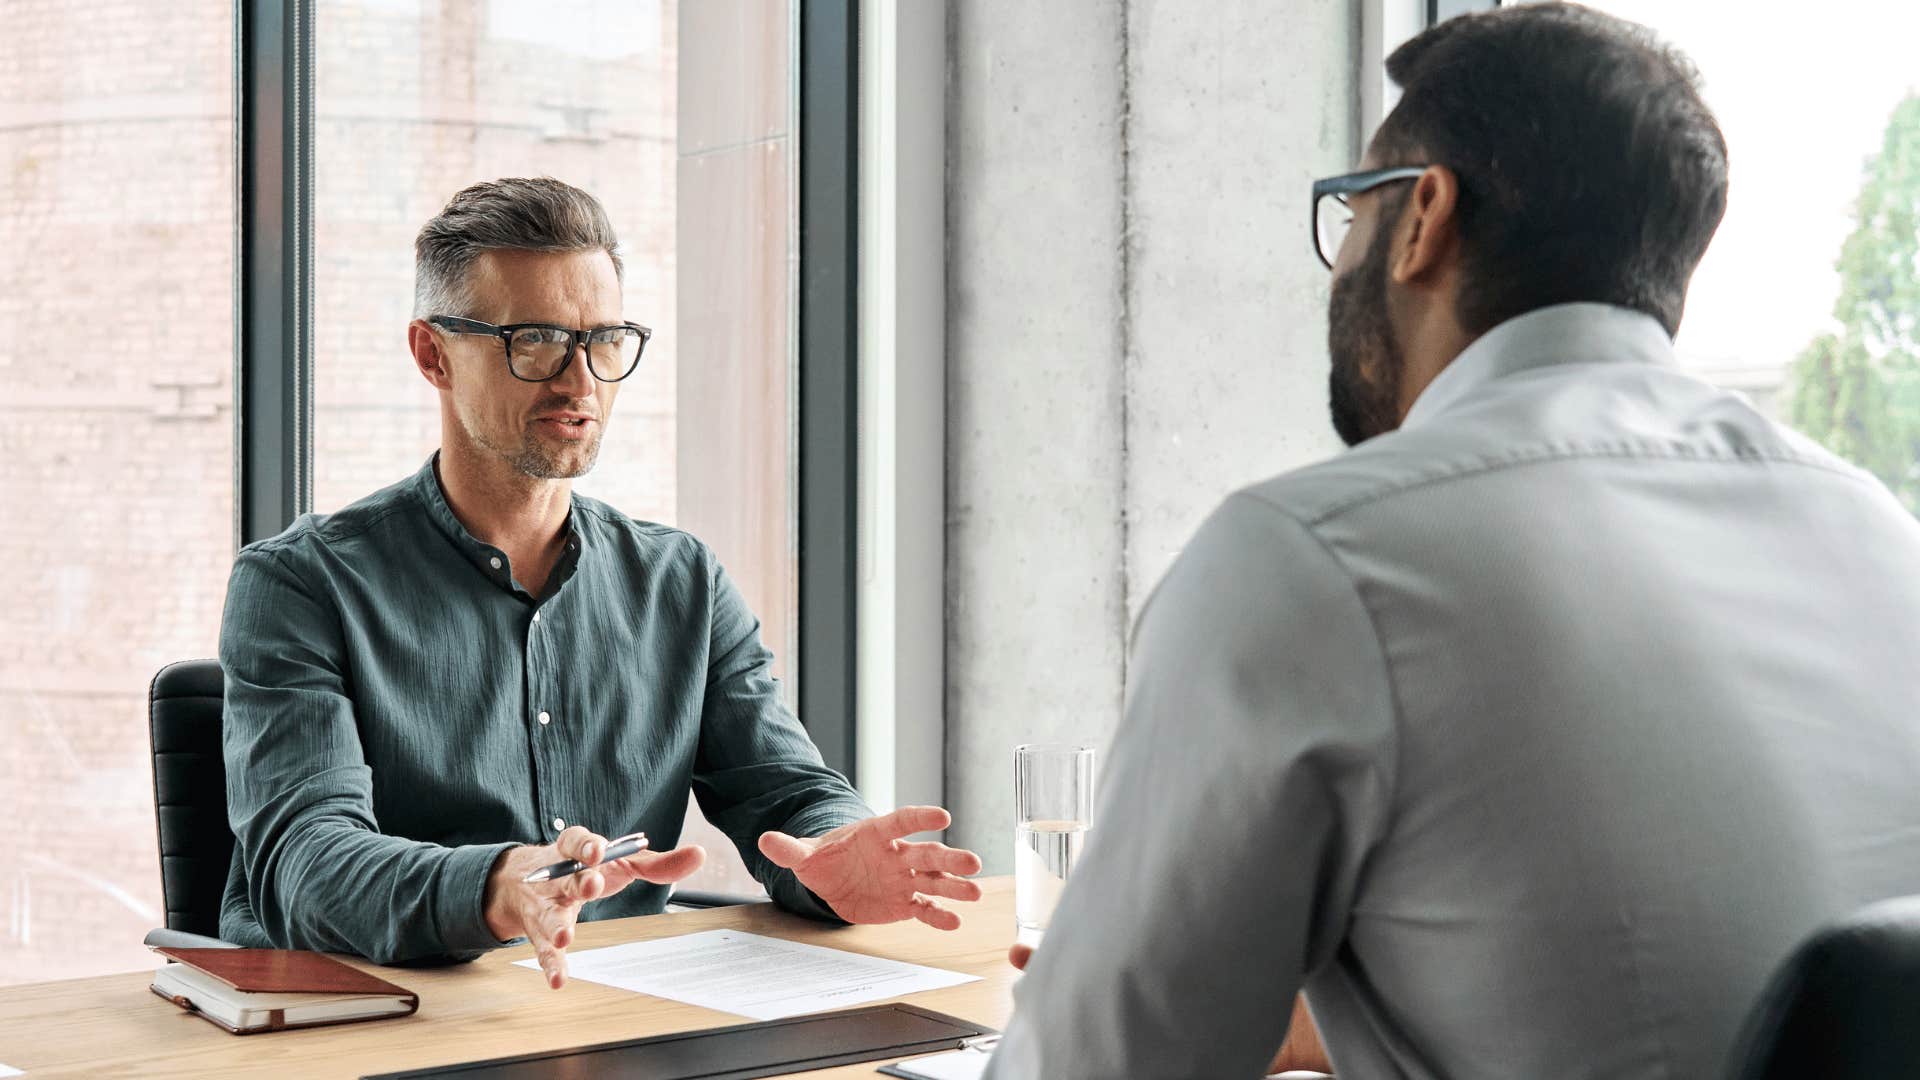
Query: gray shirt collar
[{"x": 1582, "y": 333}]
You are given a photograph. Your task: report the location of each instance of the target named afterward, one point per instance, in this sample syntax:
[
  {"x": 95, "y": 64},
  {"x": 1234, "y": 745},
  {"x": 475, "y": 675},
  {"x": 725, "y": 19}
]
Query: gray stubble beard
[{"x": 532, "y": 460}]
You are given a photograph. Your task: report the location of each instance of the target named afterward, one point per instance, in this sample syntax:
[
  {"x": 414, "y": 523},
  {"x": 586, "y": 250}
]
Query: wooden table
[{"x": 114, "y": 1026}]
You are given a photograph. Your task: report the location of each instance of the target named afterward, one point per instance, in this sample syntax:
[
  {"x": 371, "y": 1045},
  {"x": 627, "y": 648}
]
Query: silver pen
[{"x": 618, "y": 848}]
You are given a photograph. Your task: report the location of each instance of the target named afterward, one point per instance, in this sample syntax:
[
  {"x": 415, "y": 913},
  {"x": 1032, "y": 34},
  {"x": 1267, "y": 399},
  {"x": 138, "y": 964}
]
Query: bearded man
[{"x": 1531, "y": 733}]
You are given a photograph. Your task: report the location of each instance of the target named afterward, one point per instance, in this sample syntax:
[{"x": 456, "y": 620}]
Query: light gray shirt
[{"x": 1528, "y": 739}]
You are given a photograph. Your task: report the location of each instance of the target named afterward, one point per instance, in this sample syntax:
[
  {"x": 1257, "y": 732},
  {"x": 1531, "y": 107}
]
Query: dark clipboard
[{"x": 737, "y": 1052}]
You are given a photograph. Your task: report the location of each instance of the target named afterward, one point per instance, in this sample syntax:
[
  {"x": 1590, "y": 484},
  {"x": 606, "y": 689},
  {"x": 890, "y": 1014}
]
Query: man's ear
[
  {"x": 427, "y": 355},
  {"x": 1429, "y": 226}
]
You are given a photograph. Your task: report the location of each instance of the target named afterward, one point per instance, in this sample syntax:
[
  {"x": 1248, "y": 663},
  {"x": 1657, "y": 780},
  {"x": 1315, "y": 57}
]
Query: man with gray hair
[{"x": 475, "y": 673}]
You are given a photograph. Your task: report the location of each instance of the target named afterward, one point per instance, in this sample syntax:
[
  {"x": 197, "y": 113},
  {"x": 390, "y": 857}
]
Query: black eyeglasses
[
  {"x": 537, "y": 352},
  {"x": 1332, "y": 218}
]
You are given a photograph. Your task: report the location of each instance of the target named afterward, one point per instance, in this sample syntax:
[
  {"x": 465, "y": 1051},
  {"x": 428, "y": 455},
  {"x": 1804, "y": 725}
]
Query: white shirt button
[
  {"x": 558, "y": 824},
  {"x": 495, "y": 561},
  {"x": 545, "y": 719},
  {"x": 536, "y": 616}
]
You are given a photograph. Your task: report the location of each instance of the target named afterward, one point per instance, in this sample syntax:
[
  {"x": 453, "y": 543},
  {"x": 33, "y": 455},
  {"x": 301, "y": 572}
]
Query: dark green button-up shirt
[{"x": 399, "y": 711}]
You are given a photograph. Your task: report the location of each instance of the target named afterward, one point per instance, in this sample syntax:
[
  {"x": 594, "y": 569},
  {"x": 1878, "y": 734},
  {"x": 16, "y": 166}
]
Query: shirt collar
[
  {"x": 1581, "y": 333},
  {"x": 489, "y": 560}
]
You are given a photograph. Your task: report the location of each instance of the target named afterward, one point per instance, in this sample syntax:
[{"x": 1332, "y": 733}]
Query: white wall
[{"x": 1135, "y": 327}]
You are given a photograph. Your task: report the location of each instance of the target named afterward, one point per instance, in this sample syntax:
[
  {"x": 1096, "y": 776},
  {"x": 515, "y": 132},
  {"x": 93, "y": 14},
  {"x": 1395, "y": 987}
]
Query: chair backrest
[
  {"x": 1844, "y": 1006},
  {"x": 190, "y": 792}
]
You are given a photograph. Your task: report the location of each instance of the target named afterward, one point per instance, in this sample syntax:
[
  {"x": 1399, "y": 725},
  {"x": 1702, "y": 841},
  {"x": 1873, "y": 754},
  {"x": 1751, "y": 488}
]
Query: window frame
[
  {"x": 828, "y": 376},
  {"x": 900, "y": 662},
  {"x": 1439, "y": 11},
  {"x": 272, "y": 266}
]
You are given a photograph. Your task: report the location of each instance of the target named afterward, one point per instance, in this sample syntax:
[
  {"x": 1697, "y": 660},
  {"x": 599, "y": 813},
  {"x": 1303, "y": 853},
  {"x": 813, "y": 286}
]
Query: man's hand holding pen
[{"x": 544, "y": 911}]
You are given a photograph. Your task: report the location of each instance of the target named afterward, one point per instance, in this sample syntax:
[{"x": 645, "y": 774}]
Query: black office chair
[
  {"x": 1844, "y": 1006},
  {"x": 190, "y": 799},
  {"x": 190, "y": 793}
]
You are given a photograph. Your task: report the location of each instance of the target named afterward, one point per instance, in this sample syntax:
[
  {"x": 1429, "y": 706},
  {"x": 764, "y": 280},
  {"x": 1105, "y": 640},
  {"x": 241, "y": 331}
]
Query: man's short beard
[
  {"x": 532, "y": 460},
  {"x": 1363, "y": 379}
]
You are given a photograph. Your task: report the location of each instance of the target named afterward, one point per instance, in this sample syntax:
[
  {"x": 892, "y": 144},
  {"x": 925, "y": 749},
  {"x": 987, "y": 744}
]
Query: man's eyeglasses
[
  {"x": 537, "y": 352},
  {"x": 1331, "y": 216}
]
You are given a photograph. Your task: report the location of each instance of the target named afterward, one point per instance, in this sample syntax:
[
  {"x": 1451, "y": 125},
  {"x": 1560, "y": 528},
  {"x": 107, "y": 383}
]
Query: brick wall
[{"x": 116, "y": 334}]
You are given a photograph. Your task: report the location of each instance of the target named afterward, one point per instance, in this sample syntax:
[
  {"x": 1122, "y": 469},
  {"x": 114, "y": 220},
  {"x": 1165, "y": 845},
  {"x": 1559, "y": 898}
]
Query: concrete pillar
[
  {"x": 1035, "y": 598},
  {"x": 1136, "y": 326},
  {"x": 1233, "y": 109}
]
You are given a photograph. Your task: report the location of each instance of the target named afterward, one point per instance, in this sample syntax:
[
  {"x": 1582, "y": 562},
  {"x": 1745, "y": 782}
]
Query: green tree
[{"x": 1858, "y": 391}]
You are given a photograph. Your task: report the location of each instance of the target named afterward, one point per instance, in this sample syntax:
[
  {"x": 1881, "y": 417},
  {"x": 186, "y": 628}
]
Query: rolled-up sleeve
[
  {"x": 1251, "y": 775},
  {"x": 317, "y": 871},
  {"x": 757, "y": 769}
]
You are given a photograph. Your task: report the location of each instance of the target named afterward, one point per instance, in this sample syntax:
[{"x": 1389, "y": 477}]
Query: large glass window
[
  {"x": 1808, "y": 299},
  {"x": 676, "y": 115},
  {"x": 116, "y": 447}
]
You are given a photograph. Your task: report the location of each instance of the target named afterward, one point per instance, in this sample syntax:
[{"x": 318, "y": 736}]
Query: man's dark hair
[{"x": 1589, "y": 167}]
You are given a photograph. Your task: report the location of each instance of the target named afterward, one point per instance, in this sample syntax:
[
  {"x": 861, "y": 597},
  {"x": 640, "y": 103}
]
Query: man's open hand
[
  {"x": 544, "y": 913},
  {"x": 868, "y": 872}
]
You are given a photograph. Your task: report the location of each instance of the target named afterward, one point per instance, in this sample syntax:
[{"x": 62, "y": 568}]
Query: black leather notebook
[{"x": 740, "y": 1052}]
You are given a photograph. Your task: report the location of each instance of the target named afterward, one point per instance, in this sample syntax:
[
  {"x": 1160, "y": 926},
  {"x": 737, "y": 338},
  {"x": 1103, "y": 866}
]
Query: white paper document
[
  {"x": 8, "y": 1070},
  {"x": 762, "y": 978},
  {"x": 952, "y": 1065}
]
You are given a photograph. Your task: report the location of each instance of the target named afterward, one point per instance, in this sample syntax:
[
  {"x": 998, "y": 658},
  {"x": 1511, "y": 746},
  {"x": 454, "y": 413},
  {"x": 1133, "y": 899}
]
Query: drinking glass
[{"x": 1053, "y": 809}]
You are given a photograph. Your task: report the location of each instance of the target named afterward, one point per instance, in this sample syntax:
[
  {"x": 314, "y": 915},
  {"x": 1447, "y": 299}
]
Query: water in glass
[{"x": 1043, "y": 854}]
